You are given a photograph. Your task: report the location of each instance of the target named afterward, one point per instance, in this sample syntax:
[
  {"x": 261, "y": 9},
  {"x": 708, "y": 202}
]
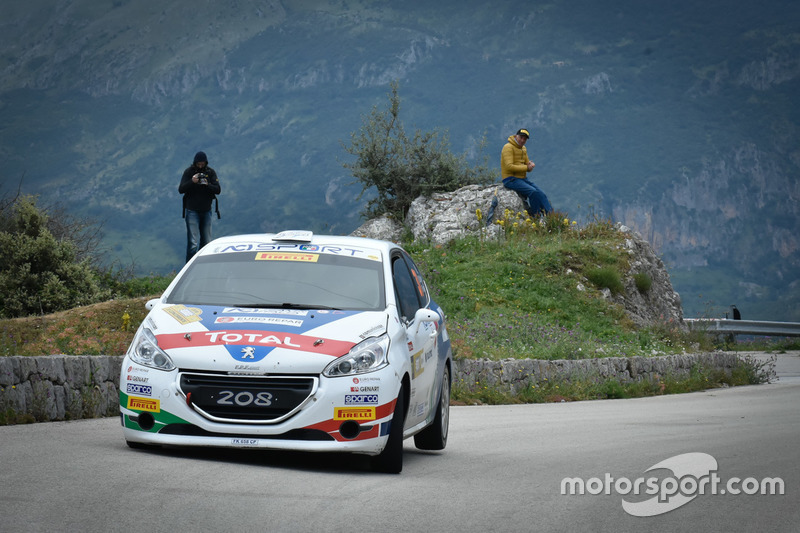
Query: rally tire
[
  {"x": 390, "y": 460},
  {"x": 434, "y": 437}
]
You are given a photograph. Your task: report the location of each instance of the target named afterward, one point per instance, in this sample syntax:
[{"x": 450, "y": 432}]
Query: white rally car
[{"x": 292, "y": 341}]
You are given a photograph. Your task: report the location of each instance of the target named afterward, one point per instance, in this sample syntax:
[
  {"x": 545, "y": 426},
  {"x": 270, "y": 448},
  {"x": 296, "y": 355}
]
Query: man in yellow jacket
[{"x": 514, "y": 164}]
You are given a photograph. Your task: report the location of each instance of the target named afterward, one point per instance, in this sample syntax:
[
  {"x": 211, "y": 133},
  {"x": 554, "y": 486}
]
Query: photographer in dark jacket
[{"x": 199, "y": 187}]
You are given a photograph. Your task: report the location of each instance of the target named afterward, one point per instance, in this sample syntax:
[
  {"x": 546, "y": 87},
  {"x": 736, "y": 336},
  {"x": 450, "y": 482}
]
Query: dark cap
[
  {"x": 524, "y": 133},
  {"x": 200, "y": 157}
]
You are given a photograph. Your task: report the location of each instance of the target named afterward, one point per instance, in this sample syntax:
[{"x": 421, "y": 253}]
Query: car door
[{"x": 412, "y": 295}]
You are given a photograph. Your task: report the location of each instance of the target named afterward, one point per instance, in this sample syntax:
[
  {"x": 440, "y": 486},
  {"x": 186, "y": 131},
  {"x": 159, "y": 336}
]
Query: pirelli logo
[
  {"x": 284, "y": 256},
  {"x": 144, "y": 404},
  {"x": 354, "y": 413}
]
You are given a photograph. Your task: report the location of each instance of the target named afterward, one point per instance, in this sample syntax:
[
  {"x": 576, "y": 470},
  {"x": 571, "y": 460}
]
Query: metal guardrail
[{"x": 744, "y": 327}]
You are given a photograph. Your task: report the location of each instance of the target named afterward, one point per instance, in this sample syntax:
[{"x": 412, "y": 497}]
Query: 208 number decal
[{"x": 245, "y": 398}]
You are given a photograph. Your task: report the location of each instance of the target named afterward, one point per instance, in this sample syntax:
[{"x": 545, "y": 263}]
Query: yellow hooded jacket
[{"x": 513, "y": 160}]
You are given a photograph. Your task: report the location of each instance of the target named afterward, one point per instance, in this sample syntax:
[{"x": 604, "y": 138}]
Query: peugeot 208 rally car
[{"x": 292, "y": 341}]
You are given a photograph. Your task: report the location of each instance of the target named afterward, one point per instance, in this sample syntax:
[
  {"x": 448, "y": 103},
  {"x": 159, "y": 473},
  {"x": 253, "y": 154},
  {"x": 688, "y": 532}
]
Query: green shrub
[
  {"x": 39, "y": 273},
  {"x": 643, "y": 282},
  {"x": 397, "y": 168},
  {"x": 606, "y": 278}
]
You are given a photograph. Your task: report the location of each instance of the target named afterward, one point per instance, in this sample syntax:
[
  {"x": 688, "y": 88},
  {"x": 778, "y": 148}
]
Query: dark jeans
[
  {"x": 536, "y": 201},
  {"x": 198, "y": 225}
]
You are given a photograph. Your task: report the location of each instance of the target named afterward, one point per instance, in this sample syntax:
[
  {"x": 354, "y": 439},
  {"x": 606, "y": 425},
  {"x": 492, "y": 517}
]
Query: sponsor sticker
[
  {"x": 417, "y": 367},
  {"x": 353, "y": 399},
  {"x": 372, "y": 331},
  {"x": 354, "y": 413},
  {"x": 361, "y": 380},
  {"x": 287, "y": 256},
  {"x": 363, "y": 253},
  {"x": 258, "y": 320},
  {"x": 365, "y": 388},
  {"x": 144, "y": 390},
  {"x": 184, "y": 315},
  {"x": 144, "y": 404},
  {"x": 261, "y": 311},
  {"x": 257, "y": 338}
]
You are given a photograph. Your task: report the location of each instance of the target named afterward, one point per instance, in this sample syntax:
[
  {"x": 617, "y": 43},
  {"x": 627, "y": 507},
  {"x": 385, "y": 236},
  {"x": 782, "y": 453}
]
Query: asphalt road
[{"x": 502, "y": 471}]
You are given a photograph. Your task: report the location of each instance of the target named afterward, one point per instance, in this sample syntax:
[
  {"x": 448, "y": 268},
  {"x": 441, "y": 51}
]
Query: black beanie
[{"x": 200, "y": 157}]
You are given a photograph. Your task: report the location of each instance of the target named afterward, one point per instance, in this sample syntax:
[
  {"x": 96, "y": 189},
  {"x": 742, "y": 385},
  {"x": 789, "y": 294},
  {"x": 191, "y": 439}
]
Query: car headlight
[
  {"x": 145, "y": 351},
  {"x": 367, "y": 356}
]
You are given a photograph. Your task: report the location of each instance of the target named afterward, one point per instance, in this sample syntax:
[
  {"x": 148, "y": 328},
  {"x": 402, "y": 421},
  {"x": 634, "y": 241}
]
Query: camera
[{"x": 203, "y": 179}]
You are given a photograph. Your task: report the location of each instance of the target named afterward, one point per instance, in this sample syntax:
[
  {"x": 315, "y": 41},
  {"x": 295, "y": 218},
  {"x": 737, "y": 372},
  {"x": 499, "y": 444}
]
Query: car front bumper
[{"x": 344, "y": 414}]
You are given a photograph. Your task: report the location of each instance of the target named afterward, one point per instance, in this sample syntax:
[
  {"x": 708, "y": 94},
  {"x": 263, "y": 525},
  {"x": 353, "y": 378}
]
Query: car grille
[{"x": 246, "y": 399}]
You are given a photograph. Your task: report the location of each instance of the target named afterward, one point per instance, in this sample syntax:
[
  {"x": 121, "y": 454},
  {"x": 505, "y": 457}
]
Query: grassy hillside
[
  {"x": 527, "y": 296},
  {"x": 536, "y": 294}
]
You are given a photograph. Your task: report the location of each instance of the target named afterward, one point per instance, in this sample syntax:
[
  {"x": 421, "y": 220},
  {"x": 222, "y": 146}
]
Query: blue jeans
[
  {"x": 535, "y": 199},
  {"x": 198, "y": 224}
]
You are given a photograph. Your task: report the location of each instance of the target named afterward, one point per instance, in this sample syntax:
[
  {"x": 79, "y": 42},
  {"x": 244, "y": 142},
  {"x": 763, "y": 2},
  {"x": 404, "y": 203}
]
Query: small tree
[
  {"x": 40, "y": 273},
  {"x": 398, "y": 168}
]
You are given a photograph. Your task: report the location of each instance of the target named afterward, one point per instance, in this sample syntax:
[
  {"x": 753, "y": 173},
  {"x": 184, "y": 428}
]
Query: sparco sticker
[
  {"x": 144, "y": 390},
  {"x": 353, "y": 399}
]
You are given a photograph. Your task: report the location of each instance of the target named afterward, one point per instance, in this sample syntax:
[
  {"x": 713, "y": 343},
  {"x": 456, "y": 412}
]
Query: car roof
[{"x": 297, "y": 237}]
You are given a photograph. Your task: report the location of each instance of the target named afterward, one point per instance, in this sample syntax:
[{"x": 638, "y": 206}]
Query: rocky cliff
[{"x": 442, "y": 217}]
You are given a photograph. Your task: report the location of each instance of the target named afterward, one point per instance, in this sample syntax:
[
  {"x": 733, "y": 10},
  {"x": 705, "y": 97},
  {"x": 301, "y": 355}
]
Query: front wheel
[
  {"x": 434, "y": 437},
  {"x": 390, "y": 460}
]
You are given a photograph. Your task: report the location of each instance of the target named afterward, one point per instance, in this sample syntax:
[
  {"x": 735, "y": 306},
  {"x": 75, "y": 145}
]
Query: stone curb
[
  {"x": 71, "y": 387},
  {"x": 516, "y": 374}
]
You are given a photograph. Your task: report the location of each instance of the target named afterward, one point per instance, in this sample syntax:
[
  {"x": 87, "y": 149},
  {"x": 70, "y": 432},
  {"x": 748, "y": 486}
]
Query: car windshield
[{"x": 288, "y": 280}]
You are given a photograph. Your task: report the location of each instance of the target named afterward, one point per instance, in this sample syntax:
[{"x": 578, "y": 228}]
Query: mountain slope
[{"x": 680, "y": 120}]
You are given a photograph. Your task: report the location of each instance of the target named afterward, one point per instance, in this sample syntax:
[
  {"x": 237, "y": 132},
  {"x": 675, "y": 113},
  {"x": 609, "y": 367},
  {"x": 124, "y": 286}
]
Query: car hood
[{"x": 248, "y": 340}]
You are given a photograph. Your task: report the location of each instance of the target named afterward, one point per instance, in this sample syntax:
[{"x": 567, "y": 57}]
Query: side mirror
[
  {"x": 425, "y": 315},
  {"x": 151, "y": 303}
]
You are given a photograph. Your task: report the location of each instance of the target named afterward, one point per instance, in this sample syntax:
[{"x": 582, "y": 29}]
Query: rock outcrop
[
  {"x": 442, "y": 217},
  {"x": 660, "y": 303}
]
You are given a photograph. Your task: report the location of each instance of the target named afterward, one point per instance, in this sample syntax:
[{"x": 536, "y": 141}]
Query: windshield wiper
[{"x": 289, "y": 305}]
